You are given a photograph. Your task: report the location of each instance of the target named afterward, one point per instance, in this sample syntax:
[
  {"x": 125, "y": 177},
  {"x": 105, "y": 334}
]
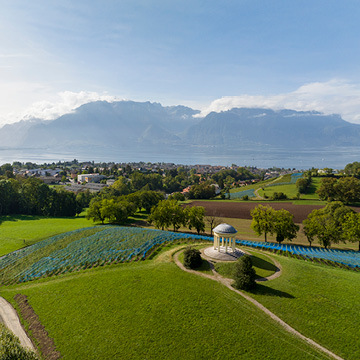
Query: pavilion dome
[{"x": 225, "y": 229}]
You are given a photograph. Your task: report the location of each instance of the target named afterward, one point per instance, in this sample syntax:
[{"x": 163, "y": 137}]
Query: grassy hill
[
  {"x": 285, "y": 184},
  {"x": 152, "y": 309}
]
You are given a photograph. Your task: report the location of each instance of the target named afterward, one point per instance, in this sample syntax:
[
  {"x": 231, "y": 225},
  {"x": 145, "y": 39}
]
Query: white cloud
[
  {"x": 332, "y": 97},
  {"x": 67, "y": 102},
  {"x": 62, "y": 103}
]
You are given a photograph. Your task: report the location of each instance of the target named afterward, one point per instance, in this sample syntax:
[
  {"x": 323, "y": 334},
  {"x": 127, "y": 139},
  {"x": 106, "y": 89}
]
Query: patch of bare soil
[
  {"x": 46, "y": 344},
  {"x": 241, "y": 210}
]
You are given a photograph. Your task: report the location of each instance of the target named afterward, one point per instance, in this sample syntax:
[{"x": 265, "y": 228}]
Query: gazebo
[{"x": 224, "y": 236}]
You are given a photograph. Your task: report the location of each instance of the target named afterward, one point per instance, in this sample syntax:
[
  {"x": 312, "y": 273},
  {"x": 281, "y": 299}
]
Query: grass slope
[
  {"x": 321, "y": 302},
  {"x": 18, "y": 231},
  {"x": 154, "y": 310}
]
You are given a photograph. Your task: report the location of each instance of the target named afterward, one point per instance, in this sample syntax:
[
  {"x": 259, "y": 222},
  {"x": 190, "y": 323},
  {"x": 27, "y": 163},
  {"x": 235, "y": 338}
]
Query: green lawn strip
[
  {"x": 319, "y": 301},
  {"x": 262, "y": 264},
  {"x": 311, "y": 192},
  {"x": 255, "y": 186},
  {"x": 290, "y": 190},
  {"x": 154, "y": 311},
  {"x": 18, "y": 231}
]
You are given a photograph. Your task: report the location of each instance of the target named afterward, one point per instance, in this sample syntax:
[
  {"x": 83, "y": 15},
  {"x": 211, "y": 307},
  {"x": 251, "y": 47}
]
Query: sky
[{"x": 209, "y": 55}]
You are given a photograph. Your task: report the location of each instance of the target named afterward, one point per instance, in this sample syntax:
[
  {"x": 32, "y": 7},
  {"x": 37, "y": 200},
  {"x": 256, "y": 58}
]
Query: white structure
[
  {"x": 89, "y": 177},
  {"x": 224, "y": 237}
]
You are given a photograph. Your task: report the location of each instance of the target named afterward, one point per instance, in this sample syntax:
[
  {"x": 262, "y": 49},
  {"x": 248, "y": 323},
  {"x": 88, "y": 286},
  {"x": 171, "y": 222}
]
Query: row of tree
[
  {"x": 32, "y": 197},
  {"x": 117, "y": 209},
  {"x": 344, "y": 189},
  {"x": 332, "y": 224},
  {"x": 169, "y": 213},
  {"x": 266, "y": 220}
]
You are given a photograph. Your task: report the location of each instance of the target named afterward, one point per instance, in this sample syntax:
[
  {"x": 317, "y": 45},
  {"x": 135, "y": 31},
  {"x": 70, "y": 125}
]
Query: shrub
[
  {"x": 245, "y": 197},
  {"x": 279, "y": 196},
  {"x": 192, "y": 258},
  {"x": 244, "y": 274},
  {"x": 10, "y": 348}
]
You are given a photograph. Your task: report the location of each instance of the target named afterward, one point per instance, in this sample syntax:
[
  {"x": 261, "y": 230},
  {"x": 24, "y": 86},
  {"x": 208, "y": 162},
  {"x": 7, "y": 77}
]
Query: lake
[{"x": 261, "y": 157}]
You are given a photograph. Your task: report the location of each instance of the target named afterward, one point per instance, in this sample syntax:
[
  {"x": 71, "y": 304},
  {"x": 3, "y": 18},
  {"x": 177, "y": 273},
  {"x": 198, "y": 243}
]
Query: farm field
[
  {"x": 241, "y": 210},
  {"x": 153, "y": 310},
  {"x": 18, "y": 231}
]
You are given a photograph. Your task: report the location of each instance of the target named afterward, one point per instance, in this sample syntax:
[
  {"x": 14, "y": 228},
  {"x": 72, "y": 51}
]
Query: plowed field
[{"x": 242, "y": 210}]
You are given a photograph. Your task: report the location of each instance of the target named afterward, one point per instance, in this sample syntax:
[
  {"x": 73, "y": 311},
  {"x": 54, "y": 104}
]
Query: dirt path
[
  {"x": 258, "y": 197},
  {"x": 10, "y": 319},
  {"x": 227, "y": 283}
]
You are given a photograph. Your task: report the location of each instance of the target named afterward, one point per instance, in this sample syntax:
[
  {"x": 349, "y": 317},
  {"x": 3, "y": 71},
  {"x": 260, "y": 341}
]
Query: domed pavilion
[
  {"x": 224, "y": 244},
  {"x": 224, "y": 234}
]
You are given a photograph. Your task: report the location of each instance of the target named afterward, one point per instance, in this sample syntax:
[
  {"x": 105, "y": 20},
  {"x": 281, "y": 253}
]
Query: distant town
[{"x": 78, "y": 176}]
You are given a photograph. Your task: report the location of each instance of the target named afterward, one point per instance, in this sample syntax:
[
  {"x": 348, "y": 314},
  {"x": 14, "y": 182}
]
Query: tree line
[
  {"x": 333, "y": 224},
  {"x": 30, "y": 196}
]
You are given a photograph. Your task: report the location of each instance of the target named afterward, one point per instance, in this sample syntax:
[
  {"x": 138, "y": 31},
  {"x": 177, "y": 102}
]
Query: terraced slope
[{"x": 82, "y": 249}]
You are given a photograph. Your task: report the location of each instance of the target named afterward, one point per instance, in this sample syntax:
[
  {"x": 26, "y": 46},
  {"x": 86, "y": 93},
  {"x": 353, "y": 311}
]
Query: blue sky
[{"x": 211, "y": 55}]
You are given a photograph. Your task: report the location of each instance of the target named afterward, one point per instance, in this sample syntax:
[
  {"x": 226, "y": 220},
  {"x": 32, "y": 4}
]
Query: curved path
[
  {"x": 227, "y": 283},
  {"x": 258, "y": 196},
  {"x": 9, "y": 317}
]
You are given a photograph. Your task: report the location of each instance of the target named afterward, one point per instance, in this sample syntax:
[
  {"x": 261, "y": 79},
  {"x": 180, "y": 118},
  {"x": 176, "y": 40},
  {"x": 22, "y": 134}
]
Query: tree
[
  {"x": 244, "y": 274},
  {"x": 148, "y": 199},
  {"x": 94, "y": 211},
  {"x": 302, "y": 185},
  {"x": 213, "y": 221},
  {"x": 201, "y": 191},
  {"x": 351, "y": 227},
  {"x": 327, "y": 189},
  {"x": 195, "y": 218},
  {"x": 262, "y": 220},
  {"x": 192, "y": 258},
  {"x": 160, "y": 215},
  {"x": 348, "y": 190},
  {"x": 284, "y": 226},
  {"x": 166, "y": 213},
  {"x": 327, "y": 224}
]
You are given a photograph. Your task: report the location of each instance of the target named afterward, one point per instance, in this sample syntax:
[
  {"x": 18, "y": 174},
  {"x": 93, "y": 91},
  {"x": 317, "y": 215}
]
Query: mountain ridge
[{"x": 129, "y": 124}]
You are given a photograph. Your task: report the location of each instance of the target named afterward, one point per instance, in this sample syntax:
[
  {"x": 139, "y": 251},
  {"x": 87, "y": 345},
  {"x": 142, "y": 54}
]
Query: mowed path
[
  {"x": 10, "y": 319},
  {"x": 227, "y": 283}
]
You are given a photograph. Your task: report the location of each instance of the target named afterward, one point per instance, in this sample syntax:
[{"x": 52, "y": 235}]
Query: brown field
[{"x": 241, "y": 210}]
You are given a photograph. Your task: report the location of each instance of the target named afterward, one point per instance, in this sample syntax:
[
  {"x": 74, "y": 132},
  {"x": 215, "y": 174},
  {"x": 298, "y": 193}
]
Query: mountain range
[{"x": 129, "y": 124}]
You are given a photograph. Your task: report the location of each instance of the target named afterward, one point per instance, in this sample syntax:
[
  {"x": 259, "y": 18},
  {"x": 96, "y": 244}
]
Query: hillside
[{"x": 154, "y": 309}]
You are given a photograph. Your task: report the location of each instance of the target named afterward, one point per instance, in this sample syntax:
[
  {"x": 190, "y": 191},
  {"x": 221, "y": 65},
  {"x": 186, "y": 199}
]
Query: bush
[
  {"x": 279, "y": 196},
  {"x": 244, "y": 274},
  {"x": 10, "y": 348},
  {"x": 192, "y": 258},
  {"x": 245, "y": 197}
]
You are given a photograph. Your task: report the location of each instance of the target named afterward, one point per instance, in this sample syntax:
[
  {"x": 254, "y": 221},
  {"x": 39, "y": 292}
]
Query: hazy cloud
[
  {"x": 65, "y": 102},
  {"x": 332, "y": 97}
]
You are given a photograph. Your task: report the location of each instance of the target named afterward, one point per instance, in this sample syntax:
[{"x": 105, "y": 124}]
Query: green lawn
[
  {"x": 18, "y": 231},
  {"x": 319, "y": 301},
  {"x": 154, "y": 310}
]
